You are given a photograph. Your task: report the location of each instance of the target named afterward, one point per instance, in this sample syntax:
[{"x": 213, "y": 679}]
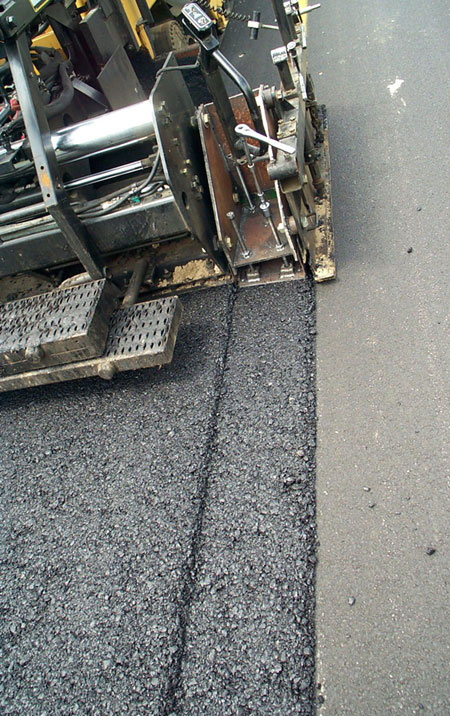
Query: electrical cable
[{"x": 179, "y": 68}]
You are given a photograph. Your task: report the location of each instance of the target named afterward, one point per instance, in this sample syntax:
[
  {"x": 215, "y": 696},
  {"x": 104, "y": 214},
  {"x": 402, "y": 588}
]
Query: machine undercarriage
[{"x": 113, "y": 201}]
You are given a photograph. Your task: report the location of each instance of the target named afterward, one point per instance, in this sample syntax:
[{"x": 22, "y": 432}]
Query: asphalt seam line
[{"x": 173, "y": 689}]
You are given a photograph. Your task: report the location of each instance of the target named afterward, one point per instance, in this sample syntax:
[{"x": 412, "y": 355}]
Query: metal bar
[
  {"x": 280, "y": 60},
  {"x": 244, "y": 86},
  {"x": 38, "y": 133},
  {"x": 285, "y": 23},
  {"x": 246, "y": 253},
  {"x": 135, "y": 284},
  {"x": 112, "y": 173}
]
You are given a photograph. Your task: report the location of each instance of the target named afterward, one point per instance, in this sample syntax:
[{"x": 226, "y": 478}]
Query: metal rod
[
  {"x": 264, "y": 204},
  {"x": 248, "y": 196},
  {"x": 22, "y": 213},
  {"x": 135, "y": 284},
  {"x": 246, "y": 253},
  {"x": 309, "y": 8},
  {"x": 251, "y": 167},
  {"x": 106, "y": 174},
  {"x": 278, "y": 243},
  {"x": 38, "y": 133}
]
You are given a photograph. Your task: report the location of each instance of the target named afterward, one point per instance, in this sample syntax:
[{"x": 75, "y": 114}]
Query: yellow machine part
[
  {"x": 304, "y": 3},
  {"x": 133, "y": 15},
  {"x": 48, "y": 39},
  {"x": 221, "y": 20}
]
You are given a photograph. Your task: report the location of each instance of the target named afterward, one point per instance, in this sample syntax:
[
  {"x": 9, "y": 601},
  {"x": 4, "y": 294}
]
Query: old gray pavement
[{"x": 382, "y": 68}]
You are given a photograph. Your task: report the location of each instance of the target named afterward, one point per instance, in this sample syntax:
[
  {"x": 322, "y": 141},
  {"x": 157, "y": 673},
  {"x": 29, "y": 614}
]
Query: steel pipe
[{"x": 113, "y": 130}]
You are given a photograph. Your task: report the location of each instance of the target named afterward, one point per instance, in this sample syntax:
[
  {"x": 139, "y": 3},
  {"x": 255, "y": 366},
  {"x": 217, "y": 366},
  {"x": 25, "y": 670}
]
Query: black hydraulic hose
[
  {"x": 92, "y": 208},
  {"x": 5, "y": 110},
  {"x": 59, "y": 105},
  {"x": 4, "y": 70}
]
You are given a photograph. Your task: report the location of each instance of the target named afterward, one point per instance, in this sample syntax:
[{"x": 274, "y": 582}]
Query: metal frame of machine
[{"x": 152, "y": 195}]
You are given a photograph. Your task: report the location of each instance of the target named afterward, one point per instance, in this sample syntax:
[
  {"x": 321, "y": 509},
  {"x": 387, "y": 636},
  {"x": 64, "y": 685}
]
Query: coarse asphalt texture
[{"x": 158, "y": 532}]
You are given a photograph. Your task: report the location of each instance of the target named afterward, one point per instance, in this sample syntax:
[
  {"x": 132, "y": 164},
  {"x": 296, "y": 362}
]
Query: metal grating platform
[
  {"x": 140, "y": 336},
  {"x": 56, "y": 327}
]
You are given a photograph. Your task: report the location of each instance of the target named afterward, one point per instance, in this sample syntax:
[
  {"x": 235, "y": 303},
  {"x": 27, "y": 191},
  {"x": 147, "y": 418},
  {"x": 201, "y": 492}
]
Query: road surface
[{"x": 382, "y": 361}]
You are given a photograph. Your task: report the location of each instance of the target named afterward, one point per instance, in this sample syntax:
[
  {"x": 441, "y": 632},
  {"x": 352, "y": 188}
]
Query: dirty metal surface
[
  {"x": 220, "y": 182},
  {"x": 24, "y": 285},
  {"x": 140, "y": 336},
  {"x": 257, "y": 233},
  {"x": 55, "y": 327},
  {"x": 242, "y": 115},
  {"x": 181, "y": 156},
  {"x": 269, "y": 272},
  {"x": 259, "y": 238},
  {"x": 323, "y": 265}
]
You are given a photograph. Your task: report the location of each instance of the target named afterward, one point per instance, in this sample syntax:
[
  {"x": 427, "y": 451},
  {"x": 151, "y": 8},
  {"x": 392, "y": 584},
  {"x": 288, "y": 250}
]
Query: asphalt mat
[{"x": 158, "y": 531}]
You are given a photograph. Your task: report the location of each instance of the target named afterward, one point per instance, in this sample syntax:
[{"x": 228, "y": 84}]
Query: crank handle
[
  {"x": 243, "y": 130},
  {"x": 255, "y": 25}
]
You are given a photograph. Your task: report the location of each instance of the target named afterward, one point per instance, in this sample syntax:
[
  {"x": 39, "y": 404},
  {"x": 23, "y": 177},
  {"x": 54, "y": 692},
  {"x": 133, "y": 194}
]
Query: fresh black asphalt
[{"x": 158, "y": 531}]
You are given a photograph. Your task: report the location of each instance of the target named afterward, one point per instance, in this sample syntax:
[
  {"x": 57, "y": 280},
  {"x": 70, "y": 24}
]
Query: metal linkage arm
[
  {"x": 284, "y": 22},
  {"x": 243, "y": 130},
  {"x": 200, "y": 25},
  {"x": 39, "y": 136},
  {"x": 244, "y": 86}
]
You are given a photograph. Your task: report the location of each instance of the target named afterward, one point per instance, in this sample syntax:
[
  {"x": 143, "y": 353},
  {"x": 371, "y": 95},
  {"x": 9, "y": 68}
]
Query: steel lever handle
[
  {"x": 243, "y": 130},
  {"x": 305, "y": 10}
]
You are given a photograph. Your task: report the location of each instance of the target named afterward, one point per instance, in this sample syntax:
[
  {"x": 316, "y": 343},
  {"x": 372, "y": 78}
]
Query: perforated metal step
[
  {"x": 140, "y": 336},
  {"x": 57, "y": 327}
]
